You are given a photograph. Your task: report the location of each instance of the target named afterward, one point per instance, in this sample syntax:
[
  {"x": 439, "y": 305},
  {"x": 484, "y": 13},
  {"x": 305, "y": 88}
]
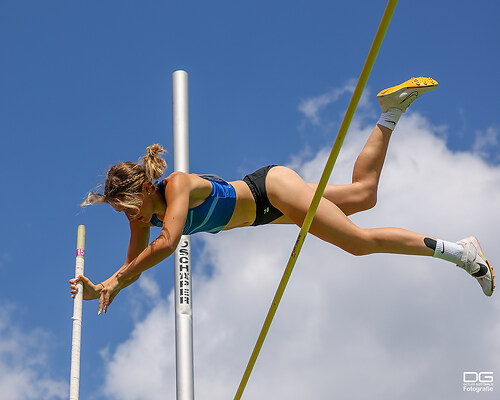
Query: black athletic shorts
[{"x": 265, "y": 212}]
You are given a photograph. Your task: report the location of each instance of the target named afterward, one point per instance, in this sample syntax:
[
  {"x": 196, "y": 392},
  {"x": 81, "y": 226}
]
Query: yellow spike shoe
[{"x": 401, "y": 96}]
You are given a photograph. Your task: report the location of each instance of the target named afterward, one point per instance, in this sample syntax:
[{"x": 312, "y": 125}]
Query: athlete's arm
[
  {"x": 139, "y": 239},
  {"x": 177, "y": 191}
]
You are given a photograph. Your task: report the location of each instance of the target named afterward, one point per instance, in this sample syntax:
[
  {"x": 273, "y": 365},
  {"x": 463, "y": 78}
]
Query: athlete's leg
[
  {"x": 332, "y": 225},
  {"x": 361, "y": 194}
]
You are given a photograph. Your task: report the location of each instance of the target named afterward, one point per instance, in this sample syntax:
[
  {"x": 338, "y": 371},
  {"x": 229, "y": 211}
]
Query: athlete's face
[{"x": 145, "y": 211}]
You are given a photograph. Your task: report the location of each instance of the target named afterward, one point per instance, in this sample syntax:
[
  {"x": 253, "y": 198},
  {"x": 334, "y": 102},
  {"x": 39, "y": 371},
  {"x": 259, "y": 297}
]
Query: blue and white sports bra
[{"x": 213, "y": 214}]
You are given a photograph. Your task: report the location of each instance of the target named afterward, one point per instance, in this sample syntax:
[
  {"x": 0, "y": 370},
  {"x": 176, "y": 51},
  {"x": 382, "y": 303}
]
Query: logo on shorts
[
  {"x": 266, "y": 210},
  {"x": 478, "y": 381}
]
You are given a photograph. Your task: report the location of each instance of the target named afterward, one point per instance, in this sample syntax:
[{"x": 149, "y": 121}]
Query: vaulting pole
[
  {"x": 74, "y": 384},
  {"x": 365, "y": 73},
  {"x": 182, "y": 257}
]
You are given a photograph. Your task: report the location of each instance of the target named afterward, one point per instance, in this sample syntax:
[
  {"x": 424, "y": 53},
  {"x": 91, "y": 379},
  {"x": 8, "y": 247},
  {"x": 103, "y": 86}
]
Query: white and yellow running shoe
[
  {"x": 476, "y": 264},
  {"x": 401, "y": 96}
]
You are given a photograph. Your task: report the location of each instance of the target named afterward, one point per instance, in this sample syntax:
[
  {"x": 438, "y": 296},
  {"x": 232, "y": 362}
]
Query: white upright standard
[
  {"x": 74, "y": 383},
  {"x": 183, "y": 305}
]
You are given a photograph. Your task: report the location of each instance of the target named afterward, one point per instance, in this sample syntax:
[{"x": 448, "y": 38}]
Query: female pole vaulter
[{"x": 189, "y": 203}]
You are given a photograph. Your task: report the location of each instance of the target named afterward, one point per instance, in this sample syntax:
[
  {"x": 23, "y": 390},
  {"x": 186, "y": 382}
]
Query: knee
[
  {"x": 358, "y": 249},
  {"x": 367, "y": 197}
]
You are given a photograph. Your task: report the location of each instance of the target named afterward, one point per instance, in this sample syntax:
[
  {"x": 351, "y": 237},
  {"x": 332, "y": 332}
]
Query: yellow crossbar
[{"x": 365, "y": 73}]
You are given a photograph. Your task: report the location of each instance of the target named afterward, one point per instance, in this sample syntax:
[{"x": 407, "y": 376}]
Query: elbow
[{"x": 166, "y": 243}]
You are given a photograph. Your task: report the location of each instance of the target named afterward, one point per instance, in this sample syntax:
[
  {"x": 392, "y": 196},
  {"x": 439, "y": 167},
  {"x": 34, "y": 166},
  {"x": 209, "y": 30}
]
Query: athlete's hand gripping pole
[{"x": 365, "y": 73}]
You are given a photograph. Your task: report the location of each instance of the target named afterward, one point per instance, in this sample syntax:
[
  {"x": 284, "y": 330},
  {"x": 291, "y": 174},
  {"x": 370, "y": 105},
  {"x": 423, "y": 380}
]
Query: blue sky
[{"x": 86, "y": 85}]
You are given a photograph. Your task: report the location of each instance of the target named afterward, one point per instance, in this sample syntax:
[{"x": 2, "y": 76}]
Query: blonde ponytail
[
  {"x": 124, "y": 181},
  {"x": 153, "y": 162}
]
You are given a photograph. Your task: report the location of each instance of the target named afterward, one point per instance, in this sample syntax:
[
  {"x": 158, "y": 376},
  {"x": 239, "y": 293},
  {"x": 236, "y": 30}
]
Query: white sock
[
  {"x": 448, "y": 251},
  {"x": 390, "y": 118}
]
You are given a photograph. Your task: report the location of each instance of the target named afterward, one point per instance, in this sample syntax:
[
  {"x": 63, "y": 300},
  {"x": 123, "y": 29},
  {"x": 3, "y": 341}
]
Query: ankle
[
  {"x": 444, "y": 250},
  {"x": 390, "y": 118}
]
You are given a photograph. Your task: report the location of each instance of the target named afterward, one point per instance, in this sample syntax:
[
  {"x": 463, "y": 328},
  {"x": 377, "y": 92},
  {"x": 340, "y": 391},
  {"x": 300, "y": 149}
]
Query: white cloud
[
  {"x": 312, "y": 107},
  {"x": 486, "y": 144},
  {"x": 380, "y": 326},
  {"x": 23, "y": 364},
  {"x": 318, "y": 111}
]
